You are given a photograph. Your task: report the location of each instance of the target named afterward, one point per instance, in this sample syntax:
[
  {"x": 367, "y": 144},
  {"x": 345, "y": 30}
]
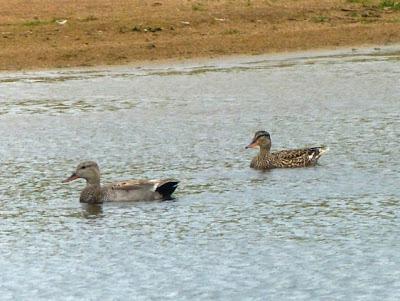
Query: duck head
[
  {"x": 261, "y": 139},
  {"x": 88, "y": 170}
]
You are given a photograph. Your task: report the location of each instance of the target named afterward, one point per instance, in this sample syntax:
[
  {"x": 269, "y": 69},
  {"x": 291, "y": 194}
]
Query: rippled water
[{"x": 232, "y": 233}]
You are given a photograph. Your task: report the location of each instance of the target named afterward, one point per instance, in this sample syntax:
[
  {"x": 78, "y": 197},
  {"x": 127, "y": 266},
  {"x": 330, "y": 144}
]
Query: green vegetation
[
  {"x": 68, "y": 56},
  {"x": 363, "y": 2},
  {"x": 231, "y": 31},
  {"x": 89, "y": 18},
  {"x": 319, "y": 19},
  {"x": 37, "y": 22},
  {"x": 383, "y": 4},
  {"x": 390, "y": 4},
  {"x": 139, "y": 28},
  {"x": 198, "y": 7}
]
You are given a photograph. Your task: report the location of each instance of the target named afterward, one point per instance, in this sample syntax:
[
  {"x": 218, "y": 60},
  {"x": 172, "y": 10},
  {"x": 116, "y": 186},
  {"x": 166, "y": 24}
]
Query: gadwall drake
[
  {"x": 282, "y": 159},
  {"x": 124, "y": 191}
]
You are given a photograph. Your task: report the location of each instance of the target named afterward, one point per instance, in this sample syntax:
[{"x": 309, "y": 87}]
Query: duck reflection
[{"x": 92, "y": 210}]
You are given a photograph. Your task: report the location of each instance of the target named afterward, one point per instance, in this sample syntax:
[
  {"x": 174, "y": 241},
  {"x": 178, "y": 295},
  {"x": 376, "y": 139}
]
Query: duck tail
[{"x": 167, "y": 188}]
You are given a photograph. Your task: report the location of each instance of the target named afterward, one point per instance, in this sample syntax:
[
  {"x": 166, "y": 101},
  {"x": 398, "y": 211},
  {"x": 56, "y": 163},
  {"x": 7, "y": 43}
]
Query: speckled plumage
[
  {"x": 282, "y": 159},
  {"x": 93, "y": 194}
]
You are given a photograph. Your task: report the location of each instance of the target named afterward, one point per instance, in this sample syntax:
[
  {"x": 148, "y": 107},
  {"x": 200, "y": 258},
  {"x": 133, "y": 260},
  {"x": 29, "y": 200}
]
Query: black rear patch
[{"x": 167, "y": 189}]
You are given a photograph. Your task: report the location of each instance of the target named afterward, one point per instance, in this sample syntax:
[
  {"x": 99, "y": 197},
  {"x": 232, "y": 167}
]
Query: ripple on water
[{"x": 327, "y": 232}]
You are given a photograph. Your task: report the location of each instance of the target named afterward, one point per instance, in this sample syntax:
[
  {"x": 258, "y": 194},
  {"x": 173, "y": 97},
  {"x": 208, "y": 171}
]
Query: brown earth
[{"x": 106, "y": 32}]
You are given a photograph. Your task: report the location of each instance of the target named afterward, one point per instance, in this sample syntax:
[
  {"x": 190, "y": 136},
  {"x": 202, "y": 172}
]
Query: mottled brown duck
[
  {"x": 291, "y": 158},
  {"x": 124, "y": 191}
]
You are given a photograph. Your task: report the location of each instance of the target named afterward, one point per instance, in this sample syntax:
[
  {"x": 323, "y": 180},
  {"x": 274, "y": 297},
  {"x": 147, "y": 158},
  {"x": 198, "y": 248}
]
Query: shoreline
[
  {"x": 103, "y": 34},
  {"x": 364, "y": 50}
]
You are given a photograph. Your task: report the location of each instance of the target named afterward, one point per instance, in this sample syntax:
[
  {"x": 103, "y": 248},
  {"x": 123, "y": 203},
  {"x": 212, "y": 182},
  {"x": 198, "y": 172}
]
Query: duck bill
[
  {"x": 74, "y": 176},
  {"x": 252, "y": 145}
]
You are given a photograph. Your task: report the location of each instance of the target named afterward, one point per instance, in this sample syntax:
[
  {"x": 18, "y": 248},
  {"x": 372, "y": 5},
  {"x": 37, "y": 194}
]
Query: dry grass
[{"x": 122, "y": 31}]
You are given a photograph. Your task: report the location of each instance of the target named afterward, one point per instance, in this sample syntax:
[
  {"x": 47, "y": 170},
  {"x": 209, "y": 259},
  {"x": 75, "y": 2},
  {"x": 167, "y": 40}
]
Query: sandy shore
[{"x": 58, "y": 34}]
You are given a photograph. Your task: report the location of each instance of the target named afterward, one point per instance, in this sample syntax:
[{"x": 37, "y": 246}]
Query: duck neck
[
  {"x": 264, "y": 151},
  {"x": 93, "y": 182},
  {"x": 92, "y": 194}
]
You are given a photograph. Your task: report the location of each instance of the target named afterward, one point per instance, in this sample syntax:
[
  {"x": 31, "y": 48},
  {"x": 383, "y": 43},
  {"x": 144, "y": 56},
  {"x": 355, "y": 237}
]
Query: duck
[
  {"x": 123, "y": 191},
  {"x": 291, "y": 158}
]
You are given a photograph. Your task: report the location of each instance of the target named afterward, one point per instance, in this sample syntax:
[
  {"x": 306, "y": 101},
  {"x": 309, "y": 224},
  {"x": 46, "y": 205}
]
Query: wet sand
[{"x": 104, "y": 32}]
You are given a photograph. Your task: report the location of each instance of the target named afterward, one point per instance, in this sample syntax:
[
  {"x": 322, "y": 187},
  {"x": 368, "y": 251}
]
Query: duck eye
[{"x": 83, "y": 167}]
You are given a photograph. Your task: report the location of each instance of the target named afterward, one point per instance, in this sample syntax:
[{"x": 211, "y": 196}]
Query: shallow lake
[{"x": 330, "y": 232}]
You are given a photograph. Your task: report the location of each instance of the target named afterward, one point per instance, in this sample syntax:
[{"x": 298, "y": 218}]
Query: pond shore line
[
  {"x": 89, "y": 33},
  {"x": 206, "y": 64}
]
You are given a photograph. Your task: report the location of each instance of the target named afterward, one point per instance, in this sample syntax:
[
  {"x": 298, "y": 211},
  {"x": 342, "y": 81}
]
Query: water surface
[{"x": 232, "y": 233}]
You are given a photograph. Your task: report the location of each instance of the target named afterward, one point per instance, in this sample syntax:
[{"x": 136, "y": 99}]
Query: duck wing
[
  {"x": 298, "y": 157},
  {"x": 132, "y": 190},
  {"x": 150, "y": 185}
]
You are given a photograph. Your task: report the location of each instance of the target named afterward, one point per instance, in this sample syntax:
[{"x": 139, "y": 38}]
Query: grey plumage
[{"x": 124, "y": 191}]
